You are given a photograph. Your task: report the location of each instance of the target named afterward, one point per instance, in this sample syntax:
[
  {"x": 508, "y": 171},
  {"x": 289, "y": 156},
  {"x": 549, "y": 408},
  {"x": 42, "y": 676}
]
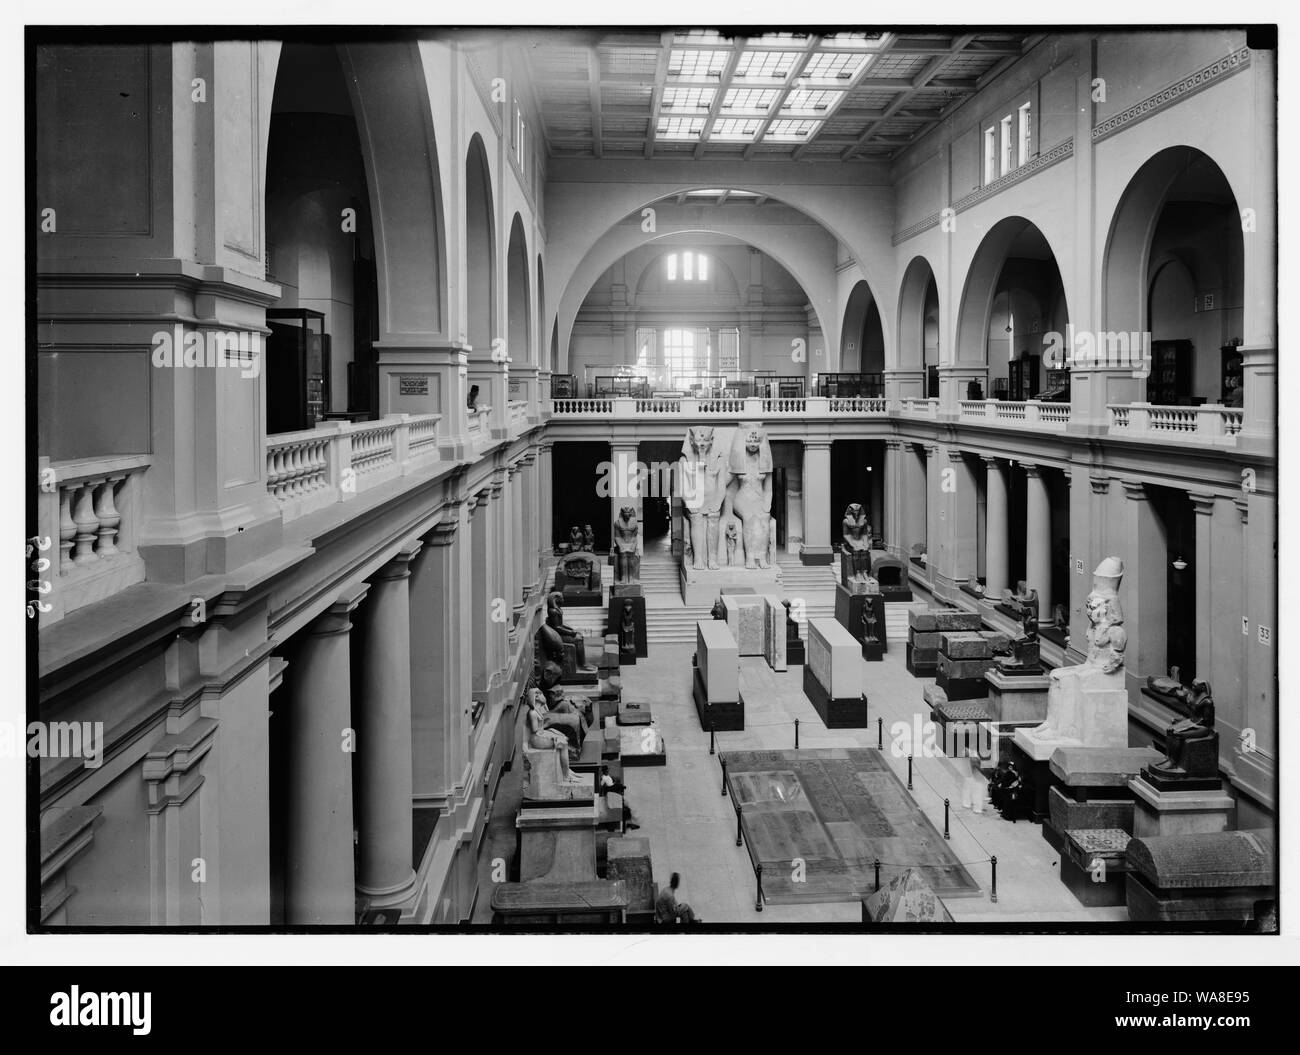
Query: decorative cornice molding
[{"x": 1174, "y": 93}]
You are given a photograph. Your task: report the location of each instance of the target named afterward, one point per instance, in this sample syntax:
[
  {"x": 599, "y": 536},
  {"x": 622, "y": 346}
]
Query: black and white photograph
[{"x": 648, "y": 481}]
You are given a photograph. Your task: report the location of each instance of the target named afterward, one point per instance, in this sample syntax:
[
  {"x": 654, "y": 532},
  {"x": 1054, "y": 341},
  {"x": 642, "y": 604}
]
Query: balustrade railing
[
  {"x": 313, "y": 468},
  {"x": 1210, "y": 422},
  {"x": 88, "y": 519}
]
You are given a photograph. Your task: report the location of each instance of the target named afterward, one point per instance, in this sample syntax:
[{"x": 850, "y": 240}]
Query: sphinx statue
[
  {"x": 1075, "y": 694},
  {"x": 627, "y": 547},
  {"x": 703, "y": 487},
  {"x": 749, "y": 492},
  {"x": 1191, "y": 743}
]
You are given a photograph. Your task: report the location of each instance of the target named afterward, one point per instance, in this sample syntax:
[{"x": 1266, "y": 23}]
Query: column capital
[
  {"x": 956, "y": 454},
  {"x": 1243, "y": 507},
  {"x": 816, "y": 445},
  {"x": 336, "y": 618},
  {"x": 991, "y": 460},
  {"x": 931, "y": 449},
  {"x": 1202, "y": 504},
  {"x": 443, "y": 534},
  {"x": 1134, "y": 490},
  {"x": 528, "y": 460},
  {"x": 513, "y": 470},
  {"x": 497, "y": 489},
  {"x": 399, "y": 566},
  {"x": 1032, "y": 469},
  {"x": 1100, "y": 484}
]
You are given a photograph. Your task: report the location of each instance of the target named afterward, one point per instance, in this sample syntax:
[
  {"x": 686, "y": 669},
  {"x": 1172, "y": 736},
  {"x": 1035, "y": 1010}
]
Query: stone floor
[{"x": 692, "y": 827}]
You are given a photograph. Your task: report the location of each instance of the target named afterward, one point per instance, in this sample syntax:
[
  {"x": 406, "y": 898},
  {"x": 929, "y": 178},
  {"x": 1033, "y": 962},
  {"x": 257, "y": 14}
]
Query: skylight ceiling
[{"x": 697, "y": 93}]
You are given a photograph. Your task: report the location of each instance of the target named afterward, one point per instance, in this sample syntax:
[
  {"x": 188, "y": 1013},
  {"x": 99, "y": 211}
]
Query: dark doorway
[
  {"x": 582, "y": 478},
  {"x": 1178, "y": 518}
]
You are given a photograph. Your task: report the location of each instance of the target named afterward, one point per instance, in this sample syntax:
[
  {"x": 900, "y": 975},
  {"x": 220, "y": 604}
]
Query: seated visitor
[
  {"x": 667, "y": 909},
  {"x": 606, "y": 784},
  {"x": 1004, "y": 790}
]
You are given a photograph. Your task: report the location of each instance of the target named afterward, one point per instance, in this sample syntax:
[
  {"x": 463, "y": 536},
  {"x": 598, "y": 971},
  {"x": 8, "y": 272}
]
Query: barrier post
[
  {"x": 723, "y": 760},
  {"x": 880, "y": 734},
  {"x": 711, "y": 745},
  {"x": 993, "y": 891},
  {"x": 909, "y": 772},
  {"x": 758, "y": 894},
  {"x": 945, "y": 819},
  {"x": 877, "y": 873},
  {"x": 796, "y": 734}
]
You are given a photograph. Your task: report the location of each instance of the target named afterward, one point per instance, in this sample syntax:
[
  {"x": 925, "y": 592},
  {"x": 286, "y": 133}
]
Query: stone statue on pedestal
[
  {"x": 1070, "y": 711},
  {"x": 627, "y": 547},
  {"x": 749, "y": 492},
  {"x": 856, "y": 542},
  {"x": 703, "y": 486},
  {"x": 563, "y": 649},
  {"x": 588, "y": 538},
  {"x": 1023, "y": 601},
  {"x": 733, "y": 540},
  {"x": 1191, "y": 743},
  {"x": 575, "y": 539}
]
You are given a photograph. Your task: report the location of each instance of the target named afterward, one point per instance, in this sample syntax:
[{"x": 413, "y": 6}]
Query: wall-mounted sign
[{"x": 412, "y": 384}]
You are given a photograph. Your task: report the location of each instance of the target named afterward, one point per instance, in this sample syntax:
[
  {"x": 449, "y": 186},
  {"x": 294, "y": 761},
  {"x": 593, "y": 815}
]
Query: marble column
[
  {"x": 933, "y": 504},
  {"x": 502, "y": 570},
  {"x": 996, "y": 531},
  {"x": 515, "y": 543},
  {"x": 481, "y": 606},
  {"x": 319, "y": 880},
  {"x": 816, "y": 503},
  {"x": 440, "y": 654},
  {"x": 531, "y": 514},
  {"x": 1145, "y": 589},
  {"x": 546, "y": 494},
  {"x": 1038, "y": 539},
  {"x": 889, "y": 513},
  {"x": 382, "y": 713},
  {"x": 1203, "y": 507}
]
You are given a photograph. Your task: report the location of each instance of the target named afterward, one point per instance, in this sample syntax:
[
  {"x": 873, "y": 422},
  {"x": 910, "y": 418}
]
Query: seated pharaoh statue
[
  {"x": 564, "y": 649},
  {"x": 1191, "y": 744},
  {"x": 855, "y": 546},
  {"x": 1022, "y": 601},
  {"x": 1087, "y": 704},
  {"x": 544, "y": 735}
]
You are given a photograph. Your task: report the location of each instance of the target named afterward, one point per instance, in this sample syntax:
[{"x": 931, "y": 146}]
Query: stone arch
[
  {"x": 480, "y": 253},
  {"x": 519, "y": 337},
  {"x": 862, "y": 340},
  {"x": 918, "y": 299}
]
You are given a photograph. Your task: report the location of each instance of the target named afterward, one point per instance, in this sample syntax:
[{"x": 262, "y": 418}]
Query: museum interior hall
[{"x": 645, "y": 478}]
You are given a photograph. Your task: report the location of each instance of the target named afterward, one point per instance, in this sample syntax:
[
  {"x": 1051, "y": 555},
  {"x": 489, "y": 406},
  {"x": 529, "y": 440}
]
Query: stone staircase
[{"x": 669, "y": 621}]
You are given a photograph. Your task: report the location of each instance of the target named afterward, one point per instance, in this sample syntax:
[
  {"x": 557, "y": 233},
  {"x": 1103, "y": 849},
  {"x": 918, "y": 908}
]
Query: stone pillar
[
  {"x": 515, "y": 542},
  {"x": 545, "y": 491},
  {"x": 440, "y": 663},
  {"x": 481, "y": 592},
  {"x": 382, "y": 714},
  {"x": 1146, "y": 585},
  {"x": 502, "y": 570},
  {"x": 933, "y": 505},
  {"x": 1203, "y": 506},
  {"x": 889, "y": 511},
  {"x": 1038, "y": 538},
  {"x": 531, "y": 514},
  {"x": 816, "y": 503},
  {"x": 319, "y": 885},
  {"x": 996, "y": 531}
]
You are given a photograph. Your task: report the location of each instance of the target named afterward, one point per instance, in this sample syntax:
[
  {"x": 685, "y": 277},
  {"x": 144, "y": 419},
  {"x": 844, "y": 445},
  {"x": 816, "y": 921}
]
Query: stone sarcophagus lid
[{"x": 1206, "y": 876}]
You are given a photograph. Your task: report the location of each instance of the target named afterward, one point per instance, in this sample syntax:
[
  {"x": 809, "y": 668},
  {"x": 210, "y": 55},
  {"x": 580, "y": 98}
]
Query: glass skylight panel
[
  {"x": 781, "y": 38},
  {"x": 680, "y": 99},
  {"x": 834, "y": 66},
  {"x": 766, "y": 65},
  {"x": 733, "y": 128},
  {"x": 680, "y": 127},
  {"x": 691, "y": 65},
  {"x": 809, "y": 100},
  {"x": 699, "y": 36},
  {"x": 791, "y": 131},
  {"x": 753, "y": 101}
]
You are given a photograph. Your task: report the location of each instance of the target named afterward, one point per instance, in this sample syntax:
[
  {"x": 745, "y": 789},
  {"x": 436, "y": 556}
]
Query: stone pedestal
[
  {"x": 774, "y": 633},
  {"x": 628, "y": 859},
  {"x": 833, "y": 679},
  {"x": 1160, "y": 813},
  {"x": 557, "y": 845},
  {"x": 614, "y": 626},
  {"x": 715, "y": 683},
  {"x": 1018, "y": 698},
  {"x": 1089, "y": 789},
  {"x": 700, "y": 586},
  {"x": 1094, "y": 866},
  {"x": 543, "y": 780},
  {"x": 849, "y": 607}
]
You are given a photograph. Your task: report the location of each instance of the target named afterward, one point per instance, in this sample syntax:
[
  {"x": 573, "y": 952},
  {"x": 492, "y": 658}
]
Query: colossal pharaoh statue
[
  {"x": 1087, "y": 704},
  {"x": 749, "y": 492},
  {"x": 627, "y": 542},
  {"x": 703, "y": 485}
]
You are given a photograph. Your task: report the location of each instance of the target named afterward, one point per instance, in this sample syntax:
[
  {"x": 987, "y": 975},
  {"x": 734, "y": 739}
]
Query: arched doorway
[
  {"x": 518, "y": 331},
  {"x": 480, "y": 254},
  {"x": 1014, "y": 298},
  {"x": 1174, "y": 270},
  {"x": 918, "y": 327},
  {"x": 862, "y": 344}
]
